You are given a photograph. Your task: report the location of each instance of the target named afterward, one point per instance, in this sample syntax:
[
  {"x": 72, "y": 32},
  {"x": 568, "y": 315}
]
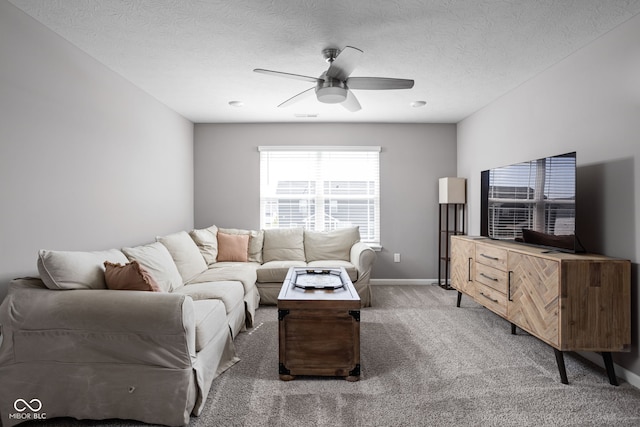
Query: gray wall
[
  {"x": 413, "y": 157},
  {"x": 87, "y": 160},
  {"x": 590, "y": 103}
]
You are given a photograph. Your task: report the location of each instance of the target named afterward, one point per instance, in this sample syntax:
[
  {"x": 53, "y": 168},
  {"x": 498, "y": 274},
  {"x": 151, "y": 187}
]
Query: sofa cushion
[
  {"x": 351, "y": 269},
  {"x": 229, "y": 264},
  {"x": 210, "y": 316},
  {"x": 231, "y": 293},
  {"x": 244, "y": 272},
  {"x": 233, "y": 247},
  {"x": 185, "y": 254},
  {"x": 276, "y": 271},
  {"x": 155, "y": 257},
  {"x": 207, "y": 241},
  {"x": 75, "y": 269},
  {"x": 256, "y": 241},
  {"x": 129, "y": 277},
  {"x": 283, "y": 244},
  {"x": 334, "y": 244}
]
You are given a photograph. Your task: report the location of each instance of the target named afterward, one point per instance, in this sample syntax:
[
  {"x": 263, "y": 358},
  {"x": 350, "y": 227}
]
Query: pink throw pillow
[
  {"x": 233, "y": 247},
  {"x": 129, "y": 277}
]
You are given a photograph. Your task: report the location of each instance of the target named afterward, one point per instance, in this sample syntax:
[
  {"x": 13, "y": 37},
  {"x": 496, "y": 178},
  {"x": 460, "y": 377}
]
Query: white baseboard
[
  {"x": 404, "y": 281},
  {"x": 621, "y": 372}
]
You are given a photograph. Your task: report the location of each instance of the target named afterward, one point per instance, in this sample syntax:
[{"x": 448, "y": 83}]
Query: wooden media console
[{"x": 573, "y": 302}]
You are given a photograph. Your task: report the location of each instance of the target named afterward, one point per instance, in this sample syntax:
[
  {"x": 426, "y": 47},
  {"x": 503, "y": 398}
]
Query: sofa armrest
[
  {"x": 362, "y": 256},
  {"x": 96, "y": 326}
]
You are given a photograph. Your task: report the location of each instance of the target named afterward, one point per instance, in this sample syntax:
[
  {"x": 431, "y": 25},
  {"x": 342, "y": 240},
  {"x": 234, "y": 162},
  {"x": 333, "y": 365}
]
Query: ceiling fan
[{"x": 334, "y": 85}]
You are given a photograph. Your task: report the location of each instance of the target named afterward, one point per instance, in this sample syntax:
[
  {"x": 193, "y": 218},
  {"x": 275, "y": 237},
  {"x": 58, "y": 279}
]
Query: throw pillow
[
  {"x": 233, "y": 247},
  {"x": 256, "y": 240},
  {"x": 207, "y": 241},
  {"x": 129, "y": 277}
]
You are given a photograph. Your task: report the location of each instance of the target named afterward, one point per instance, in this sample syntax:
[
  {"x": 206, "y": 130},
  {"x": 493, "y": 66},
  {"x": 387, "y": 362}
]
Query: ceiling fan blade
[
  {"x": 298, "y": 97},
  {"x": 286, "y": 75},
  {"x": 345, "y": 63},
  {"x": 351, "y": 103},
  {"x": 378, "y": 83}
]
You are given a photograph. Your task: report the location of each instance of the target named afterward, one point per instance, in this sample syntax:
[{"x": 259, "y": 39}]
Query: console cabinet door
[
  {"x": 533, "y": 296},
  {"x": 462, "y": 264}
]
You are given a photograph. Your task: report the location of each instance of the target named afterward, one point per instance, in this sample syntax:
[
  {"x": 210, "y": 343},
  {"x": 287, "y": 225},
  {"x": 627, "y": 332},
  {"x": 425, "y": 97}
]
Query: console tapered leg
[
  {"x": 561, "y": 368},
  {"x": 513, "y": 329},
  {"x": 459, "y": 299}
]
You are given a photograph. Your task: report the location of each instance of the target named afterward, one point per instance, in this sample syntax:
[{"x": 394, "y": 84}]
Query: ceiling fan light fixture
[
  {"x": 334, "y": 85},
  {"x": 331, "y": 94}
]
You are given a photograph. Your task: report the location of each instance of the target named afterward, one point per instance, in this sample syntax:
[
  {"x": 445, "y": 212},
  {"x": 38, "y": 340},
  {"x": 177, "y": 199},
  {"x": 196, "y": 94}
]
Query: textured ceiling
[{"x": 196, "y": 56}]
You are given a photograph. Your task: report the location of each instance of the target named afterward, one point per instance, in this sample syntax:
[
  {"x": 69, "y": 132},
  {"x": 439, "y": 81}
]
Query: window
[{"x": 321, "y": 189}]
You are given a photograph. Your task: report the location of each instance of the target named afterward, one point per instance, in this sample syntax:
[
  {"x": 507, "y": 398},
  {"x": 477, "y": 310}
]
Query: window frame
[{"x": 367, "y": 190}]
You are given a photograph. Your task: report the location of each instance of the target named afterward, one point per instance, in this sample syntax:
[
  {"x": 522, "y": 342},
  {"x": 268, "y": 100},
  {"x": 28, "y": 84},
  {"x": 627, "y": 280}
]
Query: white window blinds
[{"x": 321, "y": 189}]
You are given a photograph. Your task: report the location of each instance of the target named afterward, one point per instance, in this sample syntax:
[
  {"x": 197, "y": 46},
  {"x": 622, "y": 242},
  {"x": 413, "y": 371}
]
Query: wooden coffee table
[{"x": 319, "y": 329}]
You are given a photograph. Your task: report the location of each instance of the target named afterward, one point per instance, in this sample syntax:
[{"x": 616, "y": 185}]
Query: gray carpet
[{"x": 424, "y": 363}]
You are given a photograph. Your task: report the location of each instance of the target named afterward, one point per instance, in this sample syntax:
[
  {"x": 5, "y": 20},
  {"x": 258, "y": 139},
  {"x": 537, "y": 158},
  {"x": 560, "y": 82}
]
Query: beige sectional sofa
[
  {"x": 84, "y": 350},
  {"x": 272, "y": 252}
]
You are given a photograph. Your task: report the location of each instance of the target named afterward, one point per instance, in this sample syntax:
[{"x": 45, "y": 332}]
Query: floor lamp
[{"x": 452, "y": 198}]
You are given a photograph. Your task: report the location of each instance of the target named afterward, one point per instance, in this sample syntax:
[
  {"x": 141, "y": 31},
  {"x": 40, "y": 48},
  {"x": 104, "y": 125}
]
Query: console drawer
[
  {"x": 492, "y": 277},
  {"x": 492, "y": 299},
  {"x": 491, "y": 256}
]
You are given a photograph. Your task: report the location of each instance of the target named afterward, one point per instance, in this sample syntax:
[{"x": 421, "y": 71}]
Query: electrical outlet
[{"x": 396, "y": 257}]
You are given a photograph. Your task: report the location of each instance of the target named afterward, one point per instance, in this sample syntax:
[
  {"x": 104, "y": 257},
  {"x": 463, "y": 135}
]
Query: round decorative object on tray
[{"x": 327, "y": 278}]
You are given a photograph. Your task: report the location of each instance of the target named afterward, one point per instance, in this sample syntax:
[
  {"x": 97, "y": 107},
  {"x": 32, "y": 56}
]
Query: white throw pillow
[
  {"x": 207, "y": 241},
  {"x": 283, "y": 244},
  {"x": 155, "y": 257},
  {"x": 330, "y": 245},
  {"x": 76, "y": 270},
  {"x": 185, "y": 254}
]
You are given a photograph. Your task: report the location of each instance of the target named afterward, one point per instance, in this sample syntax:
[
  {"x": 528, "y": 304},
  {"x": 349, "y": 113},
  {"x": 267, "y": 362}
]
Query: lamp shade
[{"x": 452, "y": 190}]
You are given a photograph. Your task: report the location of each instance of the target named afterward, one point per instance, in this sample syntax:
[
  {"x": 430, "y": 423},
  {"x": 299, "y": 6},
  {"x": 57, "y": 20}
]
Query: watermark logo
[
  {"x": 28, "y": 410},
  {"x": 21, "y": 405}
]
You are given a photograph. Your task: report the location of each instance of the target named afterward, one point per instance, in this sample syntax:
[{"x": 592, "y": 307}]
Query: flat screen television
[{"x": 532, "y": 202}]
